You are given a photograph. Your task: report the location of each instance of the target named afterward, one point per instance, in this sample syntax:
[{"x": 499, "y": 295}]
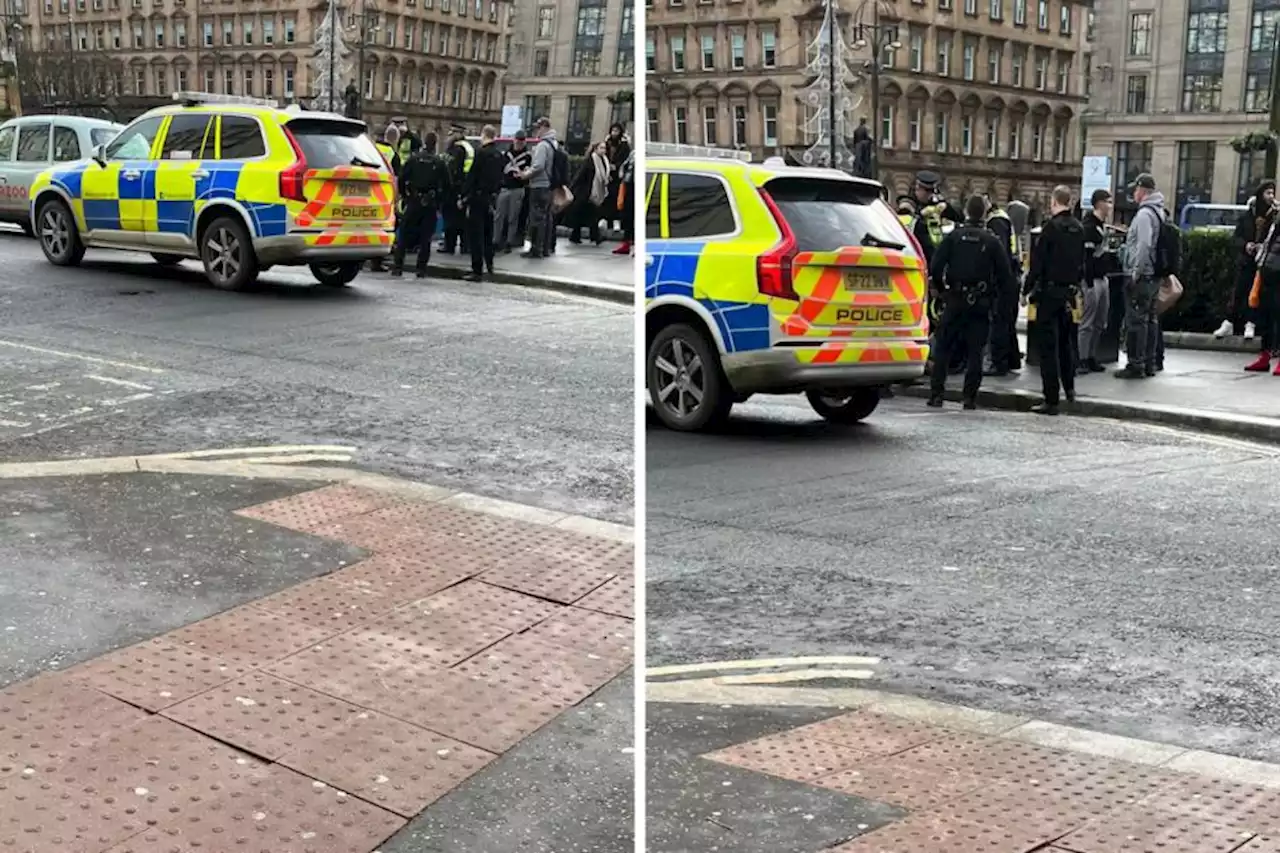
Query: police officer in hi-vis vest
[
  {"x": 462, "y": 156},
  {"x": 387, "y": 148},
  {"x": 1003, "y": 352},
  {"x": 922, "y": 214}
]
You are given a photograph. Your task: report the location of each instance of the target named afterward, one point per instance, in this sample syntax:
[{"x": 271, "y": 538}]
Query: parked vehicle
[{"x": 31, "y": 144}]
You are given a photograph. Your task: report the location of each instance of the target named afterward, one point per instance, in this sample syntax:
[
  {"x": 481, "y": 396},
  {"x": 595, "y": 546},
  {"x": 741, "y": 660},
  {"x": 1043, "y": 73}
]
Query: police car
[
  {"x": 30, "y": 144},
  {"x": 236, "y": 183},
  {"x": 772, "y": 279}
]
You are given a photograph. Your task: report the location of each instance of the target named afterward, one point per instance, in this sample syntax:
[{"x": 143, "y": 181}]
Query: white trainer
[
  {"x": 1225, "y": 329},
  {"x": 1249, "y": 331}
]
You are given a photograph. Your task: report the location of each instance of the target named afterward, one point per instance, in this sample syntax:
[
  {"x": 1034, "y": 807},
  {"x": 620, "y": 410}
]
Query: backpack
[
  {"x": 559, "y": 165},
  {"x": 1167, "y": 257}
]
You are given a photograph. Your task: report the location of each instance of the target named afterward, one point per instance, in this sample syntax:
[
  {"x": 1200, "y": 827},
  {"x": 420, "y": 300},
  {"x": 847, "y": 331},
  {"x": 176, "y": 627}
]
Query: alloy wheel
[{"x": 681, "y": 377}]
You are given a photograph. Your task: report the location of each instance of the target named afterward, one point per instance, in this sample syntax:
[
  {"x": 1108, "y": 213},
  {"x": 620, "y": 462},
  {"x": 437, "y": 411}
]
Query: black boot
[
  {"x": 935, "y": 402},
  {"x": 1045, "y": 408},
  {"x": 1130, "y": 371},
  {"x": 970, "y": 404}
]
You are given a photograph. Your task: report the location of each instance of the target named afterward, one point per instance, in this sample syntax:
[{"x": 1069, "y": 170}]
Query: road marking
[
  {"x": 258, "y": 451},
  {"x": 295, "y": 458},
  {"x": 91, "y": 359},
  {"x": 1243, "y": 444},
  {"x": 801, "y": 675},
  {"x": 763, "y": 663},
  {"x": 18, "y": 424},
  {"x": 124, "y": 383},
  {"x": 132, "y": 398}
]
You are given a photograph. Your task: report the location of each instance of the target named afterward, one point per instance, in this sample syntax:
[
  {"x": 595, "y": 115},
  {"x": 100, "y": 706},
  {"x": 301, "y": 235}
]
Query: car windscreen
[
  {"x": 103, "y": 135},
  {"x": 328, "y": 144},
  {"x": 1210, "y": 217},
  {"x": 826, "y": 215}
]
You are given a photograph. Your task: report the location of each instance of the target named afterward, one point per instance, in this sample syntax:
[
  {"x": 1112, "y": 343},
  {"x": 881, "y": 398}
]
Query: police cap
[
  {"x": 928, "y": 179},
  {"x": 458, "y": 129}
]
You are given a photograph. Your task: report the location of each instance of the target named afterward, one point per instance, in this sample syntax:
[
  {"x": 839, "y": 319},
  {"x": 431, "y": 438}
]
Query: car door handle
[
  {"x": 200, "y": 173},
  {"x": 131, "y": 175}
]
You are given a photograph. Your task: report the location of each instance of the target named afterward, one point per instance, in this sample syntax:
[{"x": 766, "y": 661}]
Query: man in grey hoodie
[
  {"x": 1142, "y": 328},
  {"x": 539, "y": 177}
]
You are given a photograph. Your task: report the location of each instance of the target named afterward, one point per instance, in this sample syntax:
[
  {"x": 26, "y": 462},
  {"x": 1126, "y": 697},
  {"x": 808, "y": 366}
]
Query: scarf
[{"x": 600, "y": 178}]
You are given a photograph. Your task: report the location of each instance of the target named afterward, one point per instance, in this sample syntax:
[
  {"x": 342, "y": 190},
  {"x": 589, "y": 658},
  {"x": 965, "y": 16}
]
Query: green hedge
[{"x": 1208, "y": 279}]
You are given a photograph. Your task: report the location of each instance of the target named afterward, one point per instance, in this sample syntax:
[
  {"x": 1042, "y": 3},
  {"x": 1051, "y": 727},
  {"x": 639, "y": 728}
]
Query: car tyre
[
  {"x": 166, "y": 260},
  {"x": 687, "y": 386},
  {"x": 851, "y": 407},
  {"x": 227, "y": 254},
  {"x": 27, "y": 228},
  {"x": 336, "y": 274},
  {"x": 59, "y": 236}
]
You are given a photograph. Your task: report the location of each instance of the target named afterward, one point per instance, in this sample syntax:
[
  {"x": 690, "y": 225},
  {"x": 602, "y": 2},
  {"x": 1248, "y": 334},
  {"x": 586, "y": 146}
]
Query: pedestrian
[
  {"x": 1100, "y": 263},
  {"x": 1053, "y": 285},
  {"x": 970, "y": 271},
  {"x": 462, "y": 156},
  {"x": 480, "y": 195},
  {"x": 386, "y": 146},
  {"x": 541, "y": 165},
  {"x": 1268, "y": 299},
  {"x": 507, "y": 234},
  {"x": 424, "y": 185},
  {"x": 1142, "y": 286},
  {"x": 627, "y": 203},
  {"x": 1251, "y": 230},
  {"x": 590, "y": 192},
  {"x": 1003, "y": 343}
]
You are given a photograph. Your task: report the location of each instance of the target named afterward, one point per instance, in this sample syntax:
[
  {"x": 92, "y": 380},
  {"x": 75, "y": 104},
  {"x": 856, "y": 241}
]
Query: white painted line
[
  {"x": 132, "y": 398},
  {"x": 802, "y": 675},
  {"x": 295, "y": 458},
  {"x": 18, "y": 424},
  {"x": 123, "y": 383},
  {"x": 762, "y": 663},
  {"x": 81, "y": 357},
  {"x": 257, "y": 451}
]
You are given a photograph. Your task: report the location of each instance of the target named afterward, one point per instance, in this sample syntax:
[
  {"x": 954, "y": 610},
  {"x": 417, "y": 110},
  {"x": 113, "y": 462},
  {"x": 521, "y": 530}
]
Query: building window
[
  {"x": 1064, "y": 75},
  {"x": 682, "y": 125},
  {"x": 710, "y": 136},
  {"x": 624, "y": 64},
  {"x": 1064, "y": 19},
  {"x": 650, "y": 53},
  {"x": 769, "y": 47},
  {"x": 1195, "y": 172},
  {"x": 228, "y": 81},
  {"x": 996, "y": 10},
  {"x": 1262, "y": 30},
  {"x": 738, "y": 50},
  {"x": 941, "y": 132},
  {"x": 966, "y": 135},
  {"x": 914, "y": 118},
  {"x": 889, "y": 56},
  {"x": 1019, "y": 13},
  {"x": 1206, "y": 32},
  {"x": 1042, "y": 72},
  {"x": 944, "y": 5},
  {"x": 944, "y": 54},
  {"x": 228, "y": 33},
  {"x": 1250, "y": 174},
  {"x": 289, "y": 31},
  {"x": 915, "y": 53},
  {"x": 247, "y": 32},
  {"x": 770, "y": 112},
  {"x": 1257, "y": 81},
  {"x": 1059, "y": 143},
  {"x": 179, "y": 34},
  {"x": 1015, "y": 139},
  {"x": 1136, "y": 96},
  {"x": 739, "y": 125},
  {"x": 269, "y": 31},
  {"x": 1132, "y": 159},
  {"x": 541, "y": 62},
  {"x": 1257, "y": 92},
  {"x": 708, "y": 52},
  {"x": 269, "y": 82},
  {"x": 247, "y": 81},
  {"x": 208, "y": 80},
  {"x": 886, "y": 126},
  {"x": 993, "y": 137},
  {"x": 1201, "y": 93},
  {"x": 995, "y": 56},
  {"x": 969, "y": 58},
  {"x": 1037, "y": 141},
  {"x": 677, "y": 53},
  {"x": 388, "y": 87},
  {"x": 288, "y": 83},
  {"x": 1018, "y": 64},
  {"x": 652, "y": 133},
  {"x": 159, "y": 36},
  {"x": 1042, "y": 15},
  {"x": 971, "y": 8}
]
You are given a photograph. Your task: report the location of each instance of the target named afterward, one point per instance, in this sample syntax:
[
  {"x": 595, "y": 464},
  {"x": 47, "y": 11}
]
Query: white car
[{"x": 31, "y": 144}]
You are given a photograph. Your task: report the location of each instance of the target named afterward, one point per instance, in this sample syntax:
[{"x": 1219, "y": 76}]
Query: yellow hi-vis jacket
[
  {"x": 469, "y": 155},
  {"x": 1013, "y": 238}
]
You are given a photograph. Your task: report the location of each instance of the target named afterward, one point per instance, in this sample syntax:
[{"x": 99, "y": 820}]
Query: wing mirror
[{"x": 100, "y": 154}]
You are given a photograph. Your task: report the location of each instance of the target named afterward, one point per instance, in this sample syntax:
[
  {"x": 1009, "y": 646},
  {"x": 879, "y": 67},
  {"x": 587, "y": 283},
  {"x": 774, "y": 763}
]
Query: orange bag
[
  {"x": 622, "y": 195},
  {"x": 1255, "y": 292}
]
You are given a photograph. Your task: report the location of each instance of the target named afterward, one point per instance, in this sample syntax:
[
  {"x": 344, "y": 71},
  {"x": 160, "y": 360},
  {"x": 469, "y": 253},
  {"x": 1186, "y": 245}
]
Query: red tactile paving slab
[
  {"x": 1048, "y": 817},
  {"x": 387, "y": 761},
  {"x": 790, "y": 756},
  {"x": 264, "y": 715},
  {"x": 1262, "y": 844},
  {"x": 534, "y": 667},
  {"x": 155, "y": 674},
  {"x": 318, "y": 507},
  {"x": 999, "y": 759},
  {"x": 46, "y": 718},
  {"x": 1137, "y": 830},
  {"x": 874, "y": 734},
  {"x": 1081, "y": 791},
  {"x": 575, "y": 628},
  {"x": 443, "y": 637},
  {"x": 1220, "y": 801},
  {"x": 617, "y": 598},
  {"x": 279, "y": 812},
  {"x": 348, "y": 667},
  {"x": 248, "y": 636},
  {"x": 513, "y": 611},
  {"x": 401, "y": 578},
  {"x": 925, "y": 833},
  {"x": 42, "y": 816},
  {"x": 562, "y": 581},
  {"x": 915, "y": 790},
  {"x": 410, "y": 523},
  {"x": 327, "y": 603}
]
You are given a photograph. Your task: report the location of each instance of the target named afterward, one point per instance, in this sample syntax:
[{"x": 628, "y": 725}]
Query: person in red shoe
[
  {"x": 1268, "y": 310},
  {"x": 627, "y": 203}
]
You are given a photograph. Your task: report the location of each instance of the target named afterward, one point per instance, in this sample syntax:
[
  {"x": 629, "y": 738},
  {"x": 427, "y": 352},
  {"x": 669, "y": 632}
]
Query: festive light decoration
[
  {"x": 330, "y": 68},
  {"x": 824, "y": 124}
]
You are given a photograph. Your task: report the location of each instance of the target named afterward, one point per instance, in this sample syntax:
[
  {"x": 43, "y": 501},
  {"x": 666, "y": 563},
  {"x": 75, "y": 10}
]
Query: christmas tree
[
  {"x": 828, "y": 48},
  {"x": 329, "y": 66}
]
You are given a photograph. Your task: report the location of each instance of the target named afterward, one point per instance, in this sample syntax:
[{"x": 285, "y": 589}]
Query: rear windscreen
[
  {"x": 328, "y": 144},
  {"x": 828, "y": 215}
]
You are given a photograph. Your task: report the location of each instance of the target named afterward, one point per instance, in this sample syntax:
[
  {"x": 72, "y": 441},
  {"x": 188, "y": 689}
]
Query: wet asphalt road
[
  {"x": 1117, "y": 577},
  {"x": 520, "y": 394}
]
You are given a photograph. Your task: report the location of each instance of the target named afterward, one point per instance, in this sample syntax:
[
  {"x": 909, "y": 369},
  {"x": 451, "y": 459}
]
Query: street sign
[
  {"x": 512, "y": 119},
  {"x": 1096, "y": 176}
]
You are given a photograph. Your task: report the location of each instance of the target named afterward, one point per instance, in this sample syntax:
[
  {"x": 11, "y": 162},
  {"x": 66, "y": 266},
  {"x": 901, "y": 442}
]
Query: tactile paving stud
[
  {"x": 400, "y": 578},
  {"x": 281, "y": 812},
  {"x": 248, "y": 636},
  {"x": 412, "y": 522},
  {"x": 264, "y": 715},
  {"x": 562, "y": 581},
  {"x": 442, "y": 637},
  {"x": 915, "y": 790},
  {"x": 318, "y": 507},
  {"x": 534, "y": 667},
  {"x": 590, "y": 631},
  {"x": 42, "y": 816},
  {"x": 1220, "y": 801},
  {"x": 350, "y": 668},
  {"x": 1262, "y": 844},
  {"x": 790, "y": 756},
  {"x": 155, "y": 674},
  {"x": 1139, "y": 830},
  {"x": 327, "y": 603},
  {"x": 397, "y": 765},
  {"x": 874, "y": 734},
  {"x": 513, "y": 611},
  {"x": 45, "y": 719},
  {"x": 616, "y": 597},
  {"x": 925, "y": 833}
]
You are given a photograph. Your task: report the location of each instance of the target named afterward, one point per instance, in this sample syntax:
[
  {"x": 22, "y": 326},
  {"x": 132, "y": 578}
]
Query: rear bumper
[
  {"x": 788, "y": 370},
  {"x": 360, "y": 244}
]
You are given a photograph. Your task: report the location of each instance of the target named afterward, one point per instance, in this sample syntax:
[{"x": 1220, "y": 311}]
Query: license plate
[
  {"x": 866, "y": 281},
  {"x": 353, "y": 188}
]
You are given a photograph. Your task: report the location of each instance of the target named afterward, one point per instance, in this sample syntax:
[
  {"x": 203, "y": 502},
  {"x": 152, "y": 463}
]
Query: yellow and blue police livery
[
  {"x": 772, "y": 279},
  {"x": 236, "y": 183}
]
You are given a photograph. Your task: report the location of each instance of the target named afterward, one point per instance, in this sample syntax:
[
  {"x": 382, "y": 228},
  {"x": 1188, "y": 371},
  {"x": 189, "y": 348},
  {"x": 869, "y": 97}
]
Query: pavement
[
  {"x": 590, "y": 270},
  {"x": 1103, "y": 577}
]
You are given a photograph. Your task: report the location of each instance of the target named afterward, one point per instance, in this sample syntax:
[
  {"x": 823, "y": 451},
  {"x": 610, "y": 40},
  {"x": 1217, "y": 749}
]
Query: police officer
[
  {"x": 479, "y": 194},
  {"x": 462, "y": 157},
  {"x": 929, "y": 210},
  {"x": 1053, "y": 285},
  {"x": 409, "y": 141},
  {"x": 969, "y": 271},
  {"x": 424, "y": 184},
  {"x": 386, "y": 146},
  {"x": 1003, "y": 343}
]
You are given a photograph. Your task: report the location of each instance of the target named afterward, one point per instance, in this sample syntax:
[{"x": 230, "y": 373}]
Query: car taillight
[
  {"x": 293, "y": 179},
  {"x": 773, "y": 268}
]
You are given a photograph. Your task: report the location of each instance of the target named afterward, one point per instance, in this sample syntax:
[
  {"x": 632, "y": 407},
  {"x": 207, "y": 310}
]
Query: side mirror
[{"x": 100, "y": 154}]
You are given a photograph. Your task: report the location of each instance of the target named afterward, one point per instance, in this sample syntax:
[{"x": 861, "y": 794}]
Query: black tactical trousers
[
  {"x": 480, "y": 232},
  {"x": 1055, "y": 336},
  {"x": 417, "y": 229},
  {"x": 963, "y": 335},
  {"x": 455, "y": 227},
  {"x": 1006, "y": 354}
]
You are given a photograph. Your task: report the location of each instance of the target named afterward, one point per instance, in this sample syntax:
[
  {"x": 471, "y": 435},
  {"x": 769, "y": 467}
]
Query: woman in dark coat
[
  {"x": 1251, "y": 229},
  {"x": 590, "y": 189},
  {"x": 617, "y": 148}
]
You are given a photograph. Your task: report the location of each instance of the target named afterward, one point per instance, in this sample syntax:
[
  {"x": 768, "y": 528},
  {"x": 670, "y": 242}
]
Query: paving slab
[{"x": 590, "y": 270}]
